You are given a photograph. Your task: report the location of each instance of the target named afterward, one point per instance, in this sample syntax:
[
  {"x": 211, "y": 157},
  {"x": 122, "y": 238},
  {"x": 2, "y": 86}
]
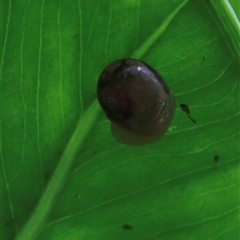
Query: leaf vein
[
  {"x": 81, "y": 54},
  {"x": 108, "y": 31},
  {"x": 60, "y": 67},
  {"x": 209, "y": 83},
  {"x": 6, "y": 34}
]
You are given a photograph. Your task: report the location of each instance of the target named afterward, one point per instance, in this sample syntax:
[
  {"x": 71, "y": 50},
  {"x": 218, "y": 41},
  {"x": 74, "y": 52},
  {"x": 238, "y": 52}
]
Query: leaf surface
[{"x": 63, "y": 174}]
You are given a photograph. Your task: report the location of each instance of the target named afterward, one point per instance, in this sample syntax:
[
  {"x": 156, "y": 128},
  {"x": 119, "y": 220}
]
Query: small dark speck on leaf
[
  {"x": 185, "y": 108},
  {"x": 216, "y": 158},
  {"x": 203, "y": 58},
  {"x": 127, "y": 227},
  {"x": 193, "y": 120},
  {"x": 214, "y": 65}
]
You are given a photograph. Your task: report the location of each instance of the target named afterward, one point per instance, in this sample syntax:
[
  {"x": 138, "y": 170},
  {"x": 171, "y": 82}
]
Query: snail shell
[{"x": 136, "y": 100}]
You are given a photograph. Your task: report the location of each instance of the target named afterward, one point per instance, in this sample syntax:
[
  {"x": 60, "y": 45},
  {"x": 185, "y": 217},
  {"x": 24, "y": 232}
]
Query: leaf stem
[
  {"x": 226, "y": 19},
  {"x": 156, "y": 34}
]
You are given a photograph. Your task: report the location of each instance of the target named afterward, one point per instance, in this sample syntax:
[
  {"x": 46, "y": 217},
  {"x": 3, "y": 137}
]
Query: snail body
[{"x": 136, "y": 100}]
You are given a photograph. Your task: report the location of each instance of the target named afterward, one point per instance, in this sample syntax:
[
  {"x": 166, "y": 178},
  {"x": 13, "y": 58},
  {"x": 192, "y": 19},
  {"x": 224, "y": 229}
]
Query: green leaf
[
  {"x": 236, "y": 6},
  {"x": 63, "y": 175}
]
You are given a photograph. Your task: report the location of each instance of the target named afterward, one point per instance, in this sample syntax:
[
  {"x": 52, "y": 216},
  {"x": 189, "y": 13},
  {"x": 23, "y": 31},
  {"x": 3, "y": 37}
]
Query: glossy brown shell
[{"x": 136, "y": 100}]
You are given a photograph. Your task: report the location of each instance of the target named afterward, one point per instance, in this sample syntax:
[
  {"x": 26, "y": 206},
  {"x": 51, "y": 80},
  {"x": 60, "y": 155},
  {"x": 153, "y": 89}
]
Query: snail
[{"x": 136, "y": 100}]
